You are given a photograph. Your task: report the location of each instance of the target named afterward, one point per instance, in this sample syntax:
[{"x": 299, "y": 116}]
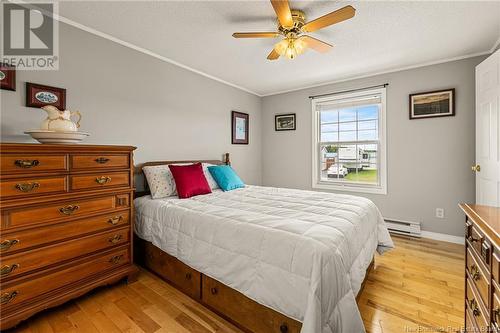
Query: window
[{"x": 349, "y": 142}]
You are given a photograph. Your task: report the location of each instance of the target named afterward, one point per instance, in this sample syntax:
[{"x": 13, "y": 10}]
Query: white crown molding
[
  {"x": 443, "y": 237},
  {"x": 399, "y": 69},
  {"x": 176, "y": 63}
]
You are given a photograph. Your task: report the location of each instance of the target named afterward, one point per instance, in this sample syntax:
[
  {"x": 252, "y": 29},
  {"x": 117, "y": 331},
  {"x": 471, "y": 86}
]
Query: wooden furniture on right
[{"x": 482, "y": 268}]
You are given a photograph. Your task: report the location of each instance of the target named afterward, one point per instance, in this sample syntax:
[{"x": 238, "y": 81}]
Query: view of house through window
[{"x": 349, "y": 140}]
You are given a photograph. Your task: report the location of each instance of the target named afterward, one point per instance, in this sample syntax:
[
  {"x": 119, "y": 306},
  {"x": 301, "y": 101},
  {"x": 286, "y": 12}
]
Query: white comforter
[{"x": 301, "y": 253}]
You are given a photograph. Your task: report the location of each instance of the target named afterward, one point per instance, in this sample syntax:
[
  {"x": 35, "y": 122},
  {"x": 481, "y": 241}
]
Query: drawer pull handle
[
  {"x": 27, "y": 187},
  {"x": 116, "y": 259},
  {"x": 188, "y": 276},
  {"x": 7, "y": 297},
  {"x": 6, "y": 244},
  {"x": 475, "y": 272},
  {"x": 474, "y": 307},
  {"x": 214, "y": 291},
  {"x": 102, "y": 160},
  {"x": 115, "y": 220},
  {"x": 102, "y": 180},
  {"x": 284, "y": 328},
  {"x": 115, "y": 239},
  {"x": 68, "y": 210},
  {"x": 472, "y": 239},
  {"x": 26, "y": 163},
  {"x": 7, "y": 269},
  {"x": 496, "y": 315}
]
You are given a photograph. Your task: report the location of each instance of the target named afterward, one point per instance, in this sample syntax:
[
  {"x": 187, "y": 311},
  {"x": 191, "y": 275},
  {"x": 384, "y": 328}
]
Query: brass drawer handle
[
  {"x": 214, "y": 290},
  {"x": 7, "y": 297},
  {"x": 6, "y": 244},
  {"x": 102, "y": 160},
  {"x": 102, "y": 180},
  {"x": 474, "y": 308},
  {"x": 68, "y": 210},
  {"x": 115, "y": 220},
  {"x": 7, "y": 269},
  {"x": 496, "y": 315},
  {"x": 26, "y": 163},
  {"x": 284, "y": 328},
  {"x": 116, "y": 259},
  {"x": 474, "y": 271},
  {"x": 27, "y": 187},
  {"x": 115, "y": 239},
  {"x": 188, "y": 276},
  {"x": 472, "y": 239}
]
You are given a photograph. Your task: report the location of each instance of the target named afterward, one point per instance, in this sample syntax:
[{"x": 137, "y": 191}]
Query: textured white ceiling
[{"x": 384, "y": 35}]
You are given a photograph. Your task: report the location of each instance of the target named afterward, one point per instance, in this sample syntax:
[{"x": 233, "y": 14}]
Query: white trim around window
[{"x": 342, "y": 185}]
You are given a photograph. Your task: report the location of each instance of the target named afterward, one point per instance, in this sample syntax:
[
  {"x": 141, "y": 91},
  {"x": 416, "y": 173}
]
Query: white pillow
[{"x": 161, "y": 181}]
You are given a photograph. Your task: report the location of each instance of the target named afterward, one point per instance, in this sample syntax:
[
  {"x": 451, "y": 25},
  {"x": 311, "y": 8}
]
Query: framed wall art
[
  {"x": 239, "y": 128},
  {"x": 284, "y": 122},
  {"x": 7, "y": 77},
  {"x": 432, "y": 104},
  {"x": 38, "y": 95}
]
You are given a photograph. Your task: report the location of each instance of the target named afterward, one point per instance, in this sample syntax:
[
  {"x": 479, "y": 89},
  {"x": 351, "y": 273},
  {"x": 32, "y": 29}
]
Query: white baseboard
[{"x": 443, "y": 237}]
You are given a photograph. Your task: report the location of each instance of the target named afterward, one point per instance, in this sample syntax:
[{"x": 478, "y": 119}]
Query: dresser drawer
[
  {"x": 248, "y": 313},
  {"x": 478, "y": 276},
  {"x": 15, "y": 264},
  {"x": 17, "y": 163},
  {"x": 495, "y": 310},
  {"x": 22, "y": 240},
  {"x": 476, "y": 308},
  {"x": 26, "y": 187},
  {"x": 482, "y": 246},
  {"x": 84, "y": 162},
  {"x": 61, "y": 211},
  {"x": 16, "y": 292},
  {"x": 100, "y": 180}
]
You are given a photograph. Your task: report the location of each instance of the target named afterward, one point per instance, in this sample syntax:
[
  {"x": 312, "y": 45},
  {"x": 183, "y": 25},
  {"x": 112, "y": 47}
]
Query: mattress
[{"x": 301, "y": 253}]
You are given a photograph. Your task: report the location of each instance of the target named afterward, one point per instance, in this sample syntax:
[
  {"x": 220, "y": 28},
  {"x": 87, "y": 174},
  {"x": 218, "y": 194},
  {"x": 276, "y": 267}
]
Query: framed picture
[
  {"x": 7, "y": 77},
  {"x": 284, "y": 122},
  {"x": 38, "y": 95},
  {"x": 432, "y": 104},
  {"x": 239, "y": 128}
]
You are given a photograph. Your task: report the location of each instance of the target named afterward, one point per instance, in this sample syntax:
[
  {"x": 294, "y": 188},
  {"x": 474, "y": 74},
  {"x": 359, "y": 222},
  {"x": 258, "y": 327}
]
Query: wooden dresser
[
  {"x": 482, "y": 268},
  {"x": 65, "y": 223}
]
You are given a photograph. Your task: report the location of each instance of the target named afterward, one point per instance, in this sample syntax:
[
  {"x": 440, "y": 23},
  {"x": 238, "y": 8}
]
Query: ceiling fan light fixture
[{"x": 290, "y": 47}]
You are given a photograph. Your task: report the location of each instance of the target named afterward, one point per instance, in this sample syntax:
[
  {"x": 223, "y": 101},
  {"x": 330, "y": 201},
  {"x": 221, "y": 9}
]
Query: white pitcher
[{"x": 60, "y": 121}]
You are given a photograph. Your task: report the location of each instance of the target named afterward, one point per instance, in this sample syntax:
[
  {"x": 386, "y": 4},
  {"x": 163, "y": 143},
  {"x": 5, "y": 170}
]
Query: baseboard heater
[{"x": 404, "y": 227}]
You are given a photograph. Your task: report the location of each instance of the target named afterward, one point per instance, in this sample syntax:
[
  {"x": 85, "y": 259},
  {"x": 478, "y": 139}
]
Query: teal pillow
[{"x": 225, "y": 177}]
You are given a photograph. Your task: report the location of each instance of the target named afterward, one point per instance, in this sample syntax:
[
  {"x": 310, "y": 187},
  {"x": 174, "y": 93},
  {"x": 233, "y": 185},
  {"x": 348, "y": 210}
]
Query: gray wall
[
  {"x": 429, "y": 160},
  {"x": 130, "y": 98}
]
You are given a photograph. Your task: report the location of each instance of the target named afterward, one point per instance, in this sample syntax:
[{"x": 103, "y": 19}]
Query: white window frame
[{"x": 317, "y": 183}]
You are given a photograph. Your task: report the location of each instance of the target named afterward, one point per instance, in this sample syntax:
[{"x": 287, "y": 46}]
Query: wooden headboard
[{"x": 138, "y": 169}]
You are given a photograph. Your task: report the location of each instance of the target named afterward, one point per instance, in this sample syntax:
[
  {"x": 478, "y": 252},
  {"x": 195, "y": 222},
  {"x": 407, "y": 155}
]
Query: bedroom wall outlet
[{"x": 440, "y": 213}]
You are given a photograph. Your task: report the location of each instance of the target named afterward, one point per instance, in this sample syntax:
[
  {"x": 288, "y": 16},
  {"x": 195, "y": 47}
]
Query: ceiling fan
[{"x": 292, "y": 25}]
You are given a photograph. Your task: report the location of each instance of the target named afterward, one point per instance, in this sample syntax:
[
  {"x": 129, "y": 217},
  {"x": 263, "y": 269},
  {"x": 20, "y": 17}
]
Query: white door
[{"x": 487, "y": 131}]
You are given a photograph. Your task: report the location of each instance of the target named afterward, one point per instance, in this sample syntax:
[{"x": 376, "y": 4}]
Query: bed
[{"x": 302, "y": 254}]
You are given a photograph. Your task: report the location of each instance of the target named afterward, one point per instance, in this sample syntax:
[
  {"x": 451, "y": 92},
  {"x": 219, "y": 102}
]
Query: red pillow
[{"x": 190, "y": 180}]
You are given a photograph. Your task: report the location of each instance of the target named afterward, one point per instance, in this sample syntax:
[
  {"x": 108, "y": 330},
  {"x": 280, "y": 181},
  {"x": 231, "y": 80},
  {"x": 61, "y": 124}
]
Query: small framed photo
[
  {"x": 7, "y": 77},
  {"x": 239, "y": 128},
  {"x": 38, "y": 95},
  {"x": 284, "y": 122},
  {"x": 432, "y": 104}
]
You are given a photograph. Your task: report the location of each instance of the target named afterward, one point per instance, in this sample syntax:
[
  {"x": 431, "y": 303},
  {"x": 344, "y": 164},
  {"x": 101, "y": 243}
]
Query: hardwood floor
[{"x": 419, "y": 285}]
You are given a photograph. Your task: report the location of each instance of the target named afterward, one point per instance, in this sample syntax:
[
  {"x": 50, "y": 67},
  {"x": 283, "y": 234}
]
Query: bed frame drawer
[
  {"x": 248, "y": 313},
  {"x": 171, "y": 269}
]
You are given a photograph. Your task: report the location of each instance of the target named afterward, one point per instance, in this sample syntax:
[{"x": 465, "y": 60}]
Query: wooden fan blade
[
  {"x": 316, "y": 44},
  {"x": 255, "y": 34},
  {"x": 337, "y": 16},
  {"x": 273, "y": 55},
  {"x": 283, "y": 12}
]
